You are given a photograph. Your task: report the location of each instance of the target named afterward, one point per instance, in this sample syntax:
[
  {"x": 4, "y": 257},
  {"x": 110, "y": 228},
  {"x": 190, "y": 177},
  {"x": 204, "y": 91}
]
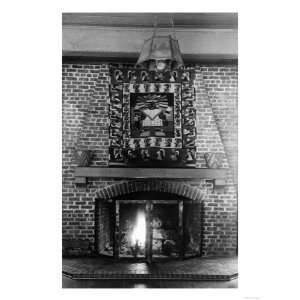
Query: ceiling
[{"x": 184, "y": 20}]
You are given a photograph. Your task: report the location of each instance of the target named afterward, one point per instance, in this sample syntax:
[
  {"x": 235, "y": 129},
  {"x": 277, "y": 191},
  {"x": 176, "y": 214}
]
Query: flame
[{"x": 139, "y": 231}]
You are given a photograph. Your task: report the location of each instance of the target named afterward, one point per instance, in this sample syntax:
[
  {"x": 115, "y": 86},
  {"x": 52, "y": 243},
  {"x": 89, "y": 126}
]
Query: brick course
[{"x": 85, "y": 126}]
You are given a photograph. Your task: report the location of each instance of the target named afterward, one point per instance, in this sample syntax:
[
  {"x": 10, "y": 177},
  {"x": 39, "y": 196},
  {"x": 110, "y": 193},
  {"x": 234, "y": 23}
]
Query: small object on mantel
[
  {"x": 83, "y": 157},
  {"x": 213, "y": 160}
]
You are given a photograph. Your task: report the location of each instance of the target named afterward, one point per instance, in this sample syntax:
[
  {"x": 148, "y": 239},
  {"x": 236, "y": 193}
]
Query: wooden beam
[
  {"x": 145, "y": 20},
  {"x": 101, "y": 41},
  {"x": 180, "y": 228},
  {"x": 149, "y": 236},
  {"x": 141, "y": 173},
  {"x": 116, "y": 244},
  {"x": 76, "y": 58}
]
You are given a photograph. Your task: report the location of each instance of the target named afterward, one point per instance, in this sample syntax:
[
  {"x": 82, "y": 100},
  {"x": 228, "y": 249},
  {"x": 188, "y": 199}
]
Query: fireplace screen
[
  {"x": 165, "y": 228},
  {"x": 139, "y": 228}
]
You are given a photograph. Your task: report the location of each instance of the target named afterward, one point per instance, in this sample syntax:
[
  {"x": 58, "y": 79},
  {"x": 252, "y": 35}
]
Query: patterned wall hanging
[{"x": 152, "y": 118}]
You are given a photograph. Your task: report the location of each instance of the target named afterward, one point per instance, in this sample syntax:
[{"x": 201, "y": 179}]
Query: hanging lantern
[{"x": 160, "y": 53}]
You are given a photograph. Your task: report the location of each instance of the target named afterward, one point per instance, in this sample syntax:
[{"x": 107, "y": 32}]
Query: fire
[{"x": 139, "y": 231}]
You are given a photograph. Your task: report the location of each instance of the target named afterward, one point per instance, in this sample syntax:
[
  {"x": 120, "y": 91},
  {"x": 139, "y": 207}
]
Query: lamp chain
[
  {"x": 173, "y": 27},
  {"x": 155, "y": 26},
  {"x": 172, "y": 24}
]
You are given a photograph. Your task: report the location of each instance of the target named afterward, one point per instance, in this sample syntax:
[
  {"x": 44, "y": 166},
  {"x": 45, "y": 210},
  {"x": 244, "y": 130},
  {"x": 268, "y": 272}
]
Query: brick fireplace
[
  {"x": 187, "y": 210},
  {"x": 169, "y": 217}
]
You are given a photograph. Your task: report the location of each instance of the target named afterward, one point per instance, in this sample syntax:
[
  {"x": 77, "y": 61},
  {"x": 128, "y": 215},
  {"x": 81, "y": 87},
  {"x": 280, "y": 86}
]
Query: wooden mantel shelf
[{"x": 218, "y": 175}]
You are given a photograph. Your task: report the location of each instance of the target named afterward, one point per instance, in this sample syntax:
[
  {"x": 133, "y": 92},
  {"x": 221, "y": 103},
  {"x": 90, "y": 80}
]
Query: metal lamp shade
[{"x": 160, "y": 53}]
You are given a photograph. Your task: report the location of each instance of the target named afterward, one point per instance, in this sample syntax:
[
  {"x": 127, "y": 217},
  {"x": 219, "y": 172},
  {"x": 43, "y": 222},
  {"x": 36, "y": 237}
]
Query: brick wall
[
  {"x": 221, "y": 84},
  {"x": 85, "y": 126}
]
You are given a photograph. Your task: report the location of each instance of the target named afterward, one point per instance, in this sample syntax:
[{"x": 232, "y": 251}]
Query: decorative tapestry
[{"x": 152, "y": 118}]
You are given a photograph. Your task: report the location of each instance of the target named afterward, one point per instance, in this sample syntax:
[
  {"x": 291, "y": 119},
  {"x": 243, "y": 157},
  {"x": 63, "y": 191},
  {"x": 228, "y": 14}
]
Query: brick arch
[{"x": 178, "y": 188}]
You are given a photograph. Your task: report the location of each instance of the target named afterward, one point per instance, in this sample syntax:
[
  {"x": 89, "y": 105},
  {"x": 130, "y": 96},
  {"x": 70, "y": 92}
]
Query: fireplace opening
[{"x": 148, "y": 226}]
